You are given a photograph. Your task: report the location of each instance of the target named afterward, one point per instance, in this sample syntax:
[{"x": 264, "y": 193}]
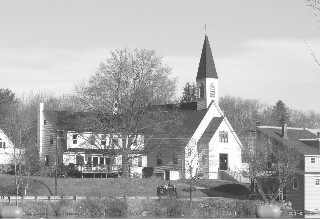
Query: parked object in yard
[
  {"x": 167, "y": 190},
  {"x": 11, "y": 212}
]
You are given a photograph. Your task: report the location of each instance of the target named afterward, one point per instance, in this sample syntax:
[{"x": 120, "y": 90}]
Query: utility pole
[
  {"x": 56, "y": 167},
  {"x": 58, "y": 133}
]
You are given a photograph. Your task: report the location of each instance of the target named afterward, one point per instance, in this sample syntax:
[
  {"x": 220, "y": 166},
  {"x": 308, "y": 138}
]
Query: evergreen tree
[
  {"x": 189, "y": 93},
  {"x": 280, "y": 114}
]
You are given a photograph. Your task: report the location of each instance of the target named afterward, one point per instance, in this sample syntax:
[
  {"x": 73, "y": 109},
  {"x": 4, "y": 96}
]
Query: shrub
[{"x": 147, "y": 172}]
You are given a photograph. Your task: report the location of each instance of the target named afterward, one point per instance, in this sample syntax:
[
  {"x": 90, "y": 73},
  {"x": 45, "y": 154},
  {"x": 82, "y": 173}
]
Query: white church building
[{"x": 213, "y": 148}]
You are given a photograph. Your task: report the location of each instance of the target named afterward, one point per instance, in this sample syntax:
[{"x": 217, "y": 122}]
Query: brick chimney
[{"x": 284, "y": 131}]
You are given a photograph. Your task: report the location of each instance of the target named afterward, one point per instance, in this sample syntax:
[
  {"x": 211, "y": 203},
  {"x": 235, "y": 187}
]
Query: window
[
  {"x": 313, "y": 160},
  {"x": 103, "y": 140},
  {"x": 114, "y": 142},
  {"x": 51, "y": 140},
  {"x": 317, "y": 182},
  {"x": 101, "y": 160},
  {"x": 223, "y": 137},
  {"x": 74, "y": 139},
  {"x": 139, "y": 161},
  {"x": 44, "y": 122},
  {"x": 212, "y": 91},
  {"x": 46, "y": 160},
  {"x": 124, "y": 141},
  {"x": 159, "y": 159},
  {"x": 60, "y": 133},
  {"x": 2, "y": 144},
  {"x": 174, "y": 159},
  {"x": 201, "y": 90},
  {"x": 92, "y": 140},
  {"x": 89, "y": 161},
  {"x": 295, "y": 182},
  {"x": 269, "y": 164}
]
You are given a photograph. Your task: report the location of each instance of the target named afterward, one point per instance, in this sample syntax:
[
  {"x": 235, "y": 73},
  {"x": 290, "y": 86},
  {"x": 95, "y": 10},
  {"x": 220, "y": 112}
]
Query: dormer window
[
  {"x": 103, "y": 140},
  {"x": 74, "y": 139},
  {"x": 212, "y": 91},
  {"x": 92, "y": 140}
]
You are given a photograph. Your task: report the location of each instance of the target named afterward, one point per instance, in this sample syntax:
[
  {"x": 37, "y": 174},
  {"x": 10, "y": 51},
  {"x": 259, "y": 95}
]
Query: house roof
[
  {"x": 172, "y": 134},
  {"x": 292, "y": 141},
  {"x": 206, "y": 67}
]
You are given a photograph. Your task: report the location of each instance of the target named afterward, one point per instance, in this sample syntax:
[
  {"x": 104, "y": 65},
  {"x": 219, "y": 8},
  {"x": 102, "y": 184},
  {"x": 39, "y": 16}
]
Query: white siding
[
  {"x": 232, "y": 148},
  {"x": 312, "y": 167},
  {"x": 312, "y": 192}
]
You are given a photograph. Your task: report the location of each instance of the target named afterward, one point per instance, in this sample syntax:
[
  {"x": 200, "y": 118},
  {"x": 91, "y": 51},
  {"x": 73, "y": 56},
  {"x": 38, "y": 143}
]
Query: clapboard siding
[
  {"x": 312, "y": 192},
  {"x": 312, "y": 167}
]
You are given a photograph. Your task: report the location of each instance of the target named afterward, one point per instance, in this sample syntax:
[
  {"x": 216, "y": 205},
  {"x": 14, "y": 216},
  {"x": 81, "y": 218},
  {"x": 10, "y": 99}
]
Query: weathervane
[{"x": 205, "y": 30}]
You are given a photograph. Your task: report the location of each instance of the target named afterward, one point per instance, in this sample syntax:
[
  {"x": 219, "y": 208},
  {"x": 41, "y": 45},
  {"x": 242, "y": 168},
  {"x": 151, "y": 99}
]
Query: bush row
[{"x": 112, "y": 207}]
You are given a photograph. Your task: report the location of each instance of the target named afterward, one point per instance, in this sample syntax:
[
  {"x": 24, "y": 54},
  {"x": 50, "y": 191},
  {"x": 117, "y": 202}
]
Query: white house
[{"x": 6, "y": 150}]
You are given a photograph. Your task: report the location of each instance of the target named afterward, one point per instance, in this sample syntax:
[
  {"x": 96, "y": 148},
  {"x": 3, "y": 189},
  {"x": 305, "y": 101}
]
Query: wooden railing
[{"x": 95, "y": 168}]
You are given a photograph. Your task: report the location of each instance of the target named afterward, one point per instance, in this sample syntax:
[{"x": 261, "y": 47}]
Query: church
[
  {"x": 212, "y": 149},
  {"x": 202, "y": 143}
]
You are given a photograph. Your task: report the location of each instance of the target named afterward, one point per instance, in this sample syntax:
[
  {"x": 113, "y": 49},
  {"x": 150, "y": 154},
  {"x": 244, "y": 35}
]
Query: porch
[{"x": 94, "y": 170}]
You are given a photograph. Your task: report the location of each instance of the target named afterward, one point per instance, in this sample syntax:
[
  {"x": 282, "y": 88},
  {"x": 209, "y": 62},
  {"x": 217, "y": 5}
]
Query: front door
[{"x": 223, "y": 161}]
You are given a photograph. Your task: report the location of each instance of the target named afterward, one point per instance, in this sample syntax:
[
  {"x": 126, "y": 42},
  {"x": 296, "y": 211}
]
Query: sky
[{"x": 260, "y": 47}]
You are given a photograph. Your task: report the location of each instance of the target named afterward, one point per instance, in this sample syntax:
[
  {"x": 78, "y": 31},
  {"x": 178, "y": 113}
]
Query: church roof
[
  {"x": 206, "y": 67},
  {"x": 211, "y": 130}
]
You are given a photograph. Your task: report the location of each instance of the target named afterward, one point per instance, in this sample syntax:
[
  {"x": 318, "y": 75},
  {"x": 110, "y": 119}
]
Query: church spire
[
  {"x": 206, "y": 67},
  {"x": 207, "y": 78}
]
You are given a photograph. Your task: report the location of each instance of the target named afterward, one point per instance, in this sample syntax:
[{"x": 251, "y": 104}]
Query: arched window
[
  {"x": 159, "y": 159},
  {"x": 212, "y": 90},
  {"x": 201, "y": 90}
]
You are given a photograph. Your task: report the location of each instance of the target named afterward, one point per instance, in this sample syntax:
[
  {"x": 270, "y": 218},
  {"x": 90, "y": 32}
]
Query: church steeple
[
  {"x": 206, "y": 67},
  {"x": 207, "y": 78}
]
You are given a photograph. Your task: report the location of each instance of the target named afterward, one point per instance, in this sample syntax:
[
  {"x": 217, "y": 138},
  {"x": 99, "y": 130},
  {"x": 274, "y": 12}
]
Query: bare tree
[
  {"x": 194, "y": 164},
  {"x": 270, "y": 165},
  {"x": 120, "y": 99}
]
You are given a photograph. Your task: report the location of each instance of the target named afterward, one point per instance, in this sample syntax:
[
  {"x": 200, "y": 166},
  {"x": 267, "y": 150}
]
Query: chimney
[{"x": 284, "y": 131}]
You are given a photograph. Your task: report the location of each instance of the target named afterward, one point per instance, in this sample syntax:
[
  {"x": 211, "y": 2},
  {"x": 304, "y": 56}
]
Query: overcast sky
[{"x": 257, "y": 45}]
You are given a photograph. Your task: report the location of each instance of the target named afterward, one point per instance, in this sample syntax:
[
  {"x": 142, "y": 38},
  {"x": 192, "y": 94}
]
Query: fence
[{"x": 79, "y": 198}]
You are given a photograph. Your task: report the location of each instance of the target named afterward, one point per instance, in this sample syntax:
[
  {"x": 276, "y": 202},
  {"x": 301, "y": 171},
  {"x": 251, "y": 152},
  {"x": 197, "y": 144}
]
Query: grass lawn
[{"x": 91, "y": 186}]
